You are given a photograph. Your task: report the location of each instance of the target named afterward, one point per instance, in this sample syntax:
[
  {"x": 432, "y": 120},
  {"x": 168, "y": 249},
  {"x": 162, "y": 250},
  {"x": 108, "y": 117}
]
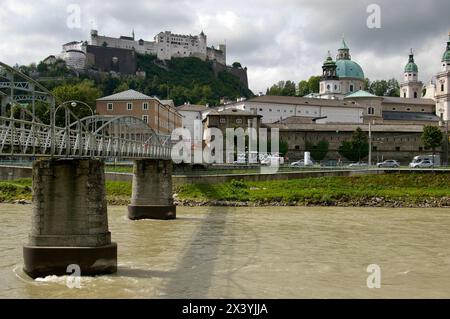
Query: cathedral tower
[
  {"x": 329, "y": 82},
  {"x": 411, "y": 87},
  {"x": 443, "y": 86}
]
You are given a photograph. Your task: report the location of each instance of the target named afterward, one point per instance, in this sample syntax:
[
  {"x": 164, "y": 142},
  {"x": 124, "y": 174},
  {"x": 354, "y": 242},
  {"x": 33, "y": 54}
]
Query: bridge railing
[{"x": 24, "y": 138}]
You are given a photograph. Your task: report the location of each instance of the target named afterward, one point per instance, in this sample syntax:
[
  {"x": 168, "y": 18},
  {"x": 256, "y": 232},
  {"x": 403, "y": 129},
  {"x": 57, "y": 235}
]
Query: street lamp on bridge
[{"x": 72, "y": 103}]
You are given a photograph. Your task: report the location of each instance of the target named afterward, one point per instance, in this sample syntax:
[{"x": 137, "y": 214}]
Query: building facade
[
  {"x": 162, "y": 118},
  {"x": 279, "y": 108}
]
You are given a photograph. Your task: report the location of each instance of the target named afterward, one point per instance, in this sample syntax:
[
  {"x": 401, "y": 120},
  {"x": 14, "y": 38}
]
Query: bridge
[{"x": 69, "y": 220}]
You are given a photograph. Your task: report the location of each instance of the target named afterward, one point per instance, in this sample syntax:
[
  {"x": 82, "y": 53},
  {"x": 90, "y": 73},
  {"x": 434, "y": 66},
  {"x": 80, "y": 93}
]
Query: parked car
[
  {"x": 422, "y": 164},
  {"x": 358, "y": 164},
  {"x": 301, "y": 163},
  {"x": 389, "y": 163}
]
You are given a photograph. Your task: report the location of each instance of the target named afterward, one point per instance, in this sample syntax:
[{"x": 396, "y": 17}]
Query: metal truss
[{"x": 23, "y": 134}]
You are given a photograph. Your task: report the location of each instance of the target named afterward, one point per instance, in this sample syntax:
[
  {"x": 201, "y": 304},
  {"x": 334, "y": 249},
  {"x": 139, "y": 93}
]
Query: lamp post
[{"x": 53, "y": 119}]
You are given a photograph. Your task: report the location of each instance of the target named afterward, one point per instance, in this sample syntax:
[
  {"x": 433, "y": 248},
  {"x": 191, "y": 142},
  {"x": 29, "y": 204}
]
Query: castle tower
[
  {"x": 443, "y": 86},
  {"x": 329, "y": 83},
  {"x": 411, "y": 87}
]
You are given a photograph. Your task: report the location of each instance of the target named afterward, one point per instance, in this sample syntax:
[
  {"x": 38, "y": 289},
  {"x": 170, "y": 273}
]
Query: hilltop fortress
[
  {"x": 165, "y": 46},
  {"x": 108, "y": 54}
]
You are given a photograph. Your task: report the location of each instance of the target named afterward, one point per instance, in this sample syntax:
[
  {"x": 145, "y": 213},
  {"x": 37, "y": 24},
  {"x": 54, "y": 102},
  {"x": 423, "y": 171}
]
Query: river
[{"x": 285, "y": 252}]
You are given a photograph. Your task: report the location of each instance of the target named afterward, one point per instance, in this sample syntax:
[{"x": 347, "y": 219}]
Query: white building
[
  {"x": 192, "y": 117},
  {"x": 165, "y": 46},
  {"x": 278, "y": 108}
]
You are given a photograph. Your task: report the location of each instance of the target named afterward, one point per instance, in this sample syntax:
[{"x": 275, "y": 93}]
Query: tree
[
  {"x": 289, "y": 89},
  {"x": 85, "y": 91},
  {"x": 122, "y": 87},
  {"x": 385, "y": 88},
  {"x": 237, "y": 65},
  {"x": 393, "y": 88},
  {"x": 357, "y": 148},
  {"x": 303, "y": 88},
  {"x": 432, "y": 137},
  {"x": 318, "y": 151},
  {"x": 314, "y": 84}
]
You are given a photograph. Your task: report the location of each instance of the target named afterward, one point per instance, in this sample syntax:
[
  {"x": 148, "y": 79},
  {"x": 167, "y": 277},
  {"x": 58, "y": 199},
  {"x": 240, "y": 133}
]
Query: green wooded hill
[
  {"x": 189, "y": 80},
  {"x": 180, "y": 79}
]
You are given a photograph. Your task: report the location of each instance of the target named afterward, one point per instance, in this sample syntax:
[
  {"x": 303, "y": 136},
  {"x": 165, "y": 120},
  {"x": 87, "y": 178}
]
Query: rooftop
[
  {"x": 360, "y": 93},
  {"x": 233, "y": 112},
  {"x": 401, "y": 100},
  {"x": 126, "y": 96},
  {"x": 409, "y": 116},
  {"x": 294, "y": 100},
  {"x": 192, "y": 108}
]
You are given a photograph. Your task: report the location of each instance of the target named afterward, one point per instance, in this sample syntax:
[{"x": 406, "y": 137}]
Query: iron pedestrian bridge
[
  {"x": 23, "y": 134},
  {"x": 70, "y": 220}
]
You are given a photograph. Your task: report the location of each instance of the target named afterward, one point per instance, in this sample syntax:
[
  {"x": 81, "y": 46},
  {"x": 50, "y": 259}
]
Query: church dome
[
  {"x": 411, "y": 66},
  {"x": 349, "y": 69}
]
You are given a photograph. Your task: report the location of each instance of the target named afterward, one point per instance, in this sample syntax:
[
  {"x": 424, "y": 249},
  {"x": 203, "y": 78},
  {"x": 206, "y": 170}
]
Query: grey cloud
[{"x": 277, "y": 40}]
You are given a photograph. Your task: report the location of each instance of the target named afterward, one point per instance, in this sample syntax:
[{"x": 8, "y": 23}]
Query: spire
[
  {"x": 133, "y": 33},
  {"x": 411, "y": 56},
  {"x": 344, "y": 45},
  {"x": 411, "y": 66}
]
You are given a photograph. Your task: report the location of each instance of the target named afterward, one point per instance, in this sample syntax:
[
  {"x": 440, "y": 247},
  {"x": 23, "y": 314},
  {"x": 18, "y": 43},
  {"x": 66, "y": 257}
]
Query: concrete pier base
[
  {"x": 69, "y": 221},
  {"x": 152, "y": 196}
]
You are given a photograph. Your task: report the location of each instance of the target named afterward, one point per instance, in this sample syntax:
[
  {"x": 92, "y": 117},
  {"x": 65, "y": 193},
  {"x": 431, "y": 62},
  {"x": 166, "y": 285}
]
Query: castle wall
[{"x": 107, "y": 59}]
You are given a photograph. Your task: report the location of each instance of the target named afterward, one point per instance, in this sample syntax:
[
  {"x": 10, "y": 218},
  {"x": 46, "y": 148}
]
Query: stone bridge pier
[
  {"x": 152, "y": 196},
  {"x": 69, "y": 220}
]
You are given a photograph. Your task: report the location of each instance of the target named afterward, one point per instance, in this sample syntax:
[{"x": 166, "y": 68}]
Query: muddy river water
[{"x": 216, "y": 252}]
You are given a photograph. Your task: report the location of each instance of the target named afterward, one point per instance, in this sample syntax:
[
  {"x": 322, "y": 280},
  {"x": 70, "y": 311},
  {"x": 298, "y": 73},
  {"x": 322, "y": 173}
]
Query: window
[
  {"x": 404, "y": 94},
  {"x": 393, "y": 109},
  {"x": 297, "y": 147},
  {"x": 238, "y": 121},
  {"x": 408, "y": 109},
  {"x": 397, "y": 148},
  {"x": 351, "y": 88},
  {"x": 415, "y": 95},
  {"x": 335, "y": 87},
  {"x": 129, "y": 106},
  {"x": 374, "y": 148},
  {"x": 371, "y": 111},
  {"x": 442, "y": 87},
  {"x": 223, "y": 120},
  {"x": 420, "y": 149},
  {"x": 110, "y": 107},
  {"x": 145, "y": 118},
  {"x": 145, "y": 106},
  {"x": 328, "y": 87}
]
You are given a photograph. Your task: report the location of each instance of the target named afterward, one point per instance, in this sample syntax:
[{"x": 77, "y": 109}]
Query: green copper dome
[
  {"x": 411, "y": 66},
  {"x": 446, "y": 56},
  {"x": 349, "y": 69}
]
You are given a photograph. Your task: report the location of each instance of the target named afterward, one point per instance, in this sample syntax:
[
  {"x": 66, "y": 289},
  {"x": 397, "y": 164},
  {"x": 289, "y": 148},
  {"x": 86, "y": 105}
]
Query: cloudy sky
[{"x": 275, "y": 39}]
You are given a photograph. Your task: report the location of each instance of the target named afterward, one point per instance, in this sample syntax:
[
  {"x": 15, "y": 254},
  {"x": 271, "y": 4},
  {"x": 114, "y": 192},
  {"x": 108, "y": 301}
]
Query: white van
[{"x": 436, "y": 160}]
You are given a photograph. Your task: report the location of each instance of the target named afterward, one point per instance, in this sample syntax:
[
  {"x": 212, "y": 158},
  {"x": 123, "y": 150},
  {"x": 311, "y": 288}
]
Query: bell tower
[
  {"x": 411, "y": 87},
  {"x": 443, "y": 86},
  {"x": 329, "y": 82}
]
